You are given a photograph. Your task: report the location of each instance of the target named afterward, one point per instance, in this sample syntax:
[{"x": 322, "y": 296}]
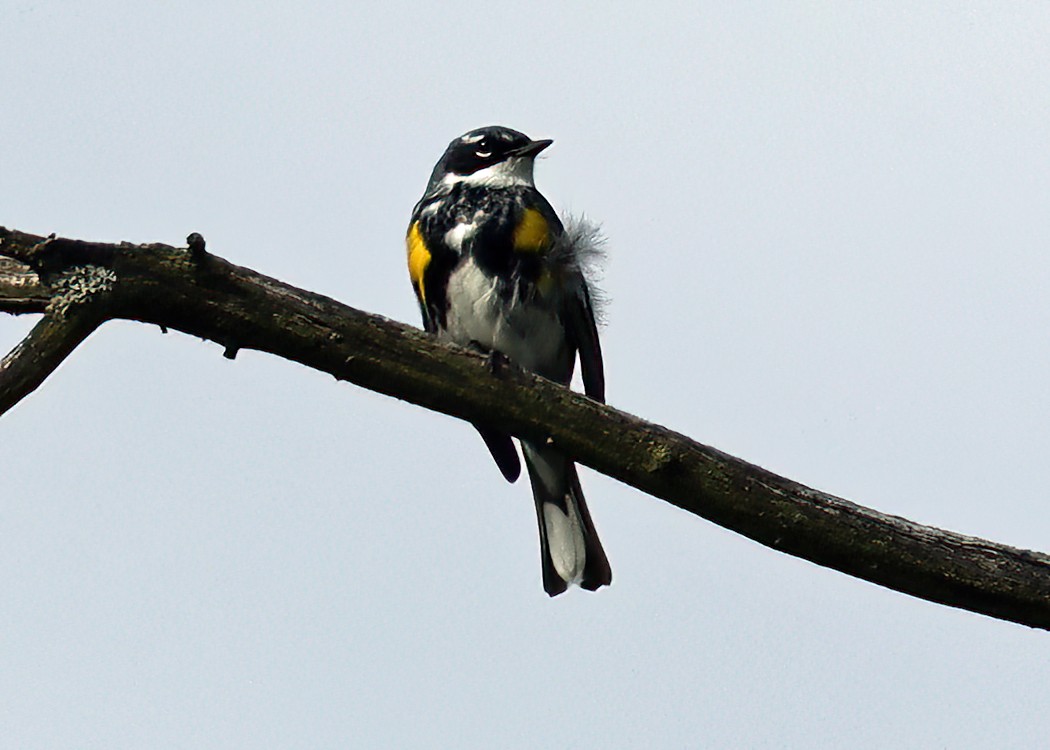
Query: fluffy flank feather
[{"x": 581, "y": 248}]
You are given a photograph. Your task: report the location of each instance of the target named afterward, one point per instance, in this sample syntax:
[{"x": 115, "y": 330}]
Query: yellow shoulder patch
[
  {"x": 418, "y": 259},
  {"x": 532, "y": 234}
]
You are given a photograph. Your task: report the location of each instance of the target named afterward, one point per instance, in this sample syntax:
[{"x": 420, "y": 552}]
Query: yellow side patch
[
  {"x": 532, "y": 235},
  {"x": 418, "y": 259}
]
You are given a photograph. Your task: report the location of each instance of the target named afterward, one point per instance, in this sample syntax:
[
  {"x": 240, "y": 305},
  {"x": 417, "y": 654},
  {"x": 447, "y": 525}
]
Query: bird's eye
[{"x": 483, "y": 149}]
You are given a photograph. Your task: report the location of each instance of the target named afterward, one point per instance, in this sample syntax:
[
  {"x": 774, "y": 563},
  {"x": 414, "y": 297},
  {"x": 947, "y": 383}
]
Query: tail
[{"x": 570, "y": 551}]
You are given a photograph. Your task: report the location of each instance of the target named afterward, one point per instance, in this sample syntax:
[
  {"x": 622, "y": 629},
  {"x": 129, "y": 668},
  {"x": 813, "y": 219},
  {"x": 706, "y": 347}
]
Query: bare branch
[
  {"x": 52, "y": 339},
  {"x": 203, "y": 295}
]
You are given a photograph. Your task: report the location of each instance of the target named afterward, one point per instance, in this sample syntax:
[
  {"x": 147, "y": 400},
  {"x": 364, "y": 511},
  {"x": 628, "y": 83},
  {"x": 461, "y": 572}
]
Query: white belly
[{"x": 529, "y": 333}]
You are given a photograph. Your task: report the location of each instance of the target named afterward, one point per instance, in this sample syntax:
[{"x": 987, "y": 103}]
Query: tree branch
[
  {"x": 21, "y": 290},
  {"x": 208, "y": 297},
  {"x": 52, "y": 339}
]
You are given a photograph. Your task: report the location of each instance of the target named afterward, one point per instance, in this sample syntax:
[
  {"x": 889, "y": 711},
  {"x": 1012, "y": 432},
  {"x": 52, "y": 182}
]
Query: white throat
[{"x": 513, "y": 172}]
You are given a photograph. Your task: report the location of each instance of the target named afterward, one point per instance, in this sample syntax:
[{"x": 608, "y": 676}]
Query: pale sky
[{"x": 827, "y": 229}]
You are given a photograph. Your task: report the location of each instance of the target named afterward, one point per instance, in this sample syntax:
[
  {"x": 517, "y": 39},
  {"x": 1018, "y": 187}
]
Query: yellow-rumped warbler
[{"x": 493, "y": 268}]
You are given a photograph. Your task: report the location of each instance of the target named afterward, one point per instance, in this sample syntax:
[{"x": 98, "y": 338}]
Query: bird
[{"x": 494, "y": 269}]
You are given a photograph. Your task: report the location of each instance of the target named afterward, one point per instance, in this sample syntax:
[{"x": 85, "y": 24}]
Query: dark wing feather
[
  {"x": 583, "y": 335},
  {"x": 503, "y": 452}
]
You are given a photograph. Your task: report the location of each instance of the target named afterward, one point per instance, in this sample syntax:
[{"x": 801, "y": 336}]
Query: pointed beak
[{"x": 533, "y": 148}]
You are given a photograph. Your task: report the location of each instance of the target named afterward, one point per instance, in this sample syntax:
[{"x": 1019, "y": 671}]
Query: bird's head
[{"x": 493, "y": 156}]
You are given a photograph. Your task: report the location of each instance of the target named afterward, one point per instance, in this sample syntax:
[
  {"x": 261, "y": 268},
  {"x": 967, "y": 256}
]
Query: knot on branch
[
  {"x": 196, "y": 246},
  {"x": 77, "y": 286}
]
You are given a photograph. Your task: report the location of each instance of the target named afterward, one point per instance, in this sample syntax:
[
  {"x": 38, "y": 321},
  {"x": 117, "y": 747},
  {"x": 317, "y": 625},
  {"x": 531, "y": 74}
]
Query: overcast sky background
[{"x": 828, "y": 234}]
